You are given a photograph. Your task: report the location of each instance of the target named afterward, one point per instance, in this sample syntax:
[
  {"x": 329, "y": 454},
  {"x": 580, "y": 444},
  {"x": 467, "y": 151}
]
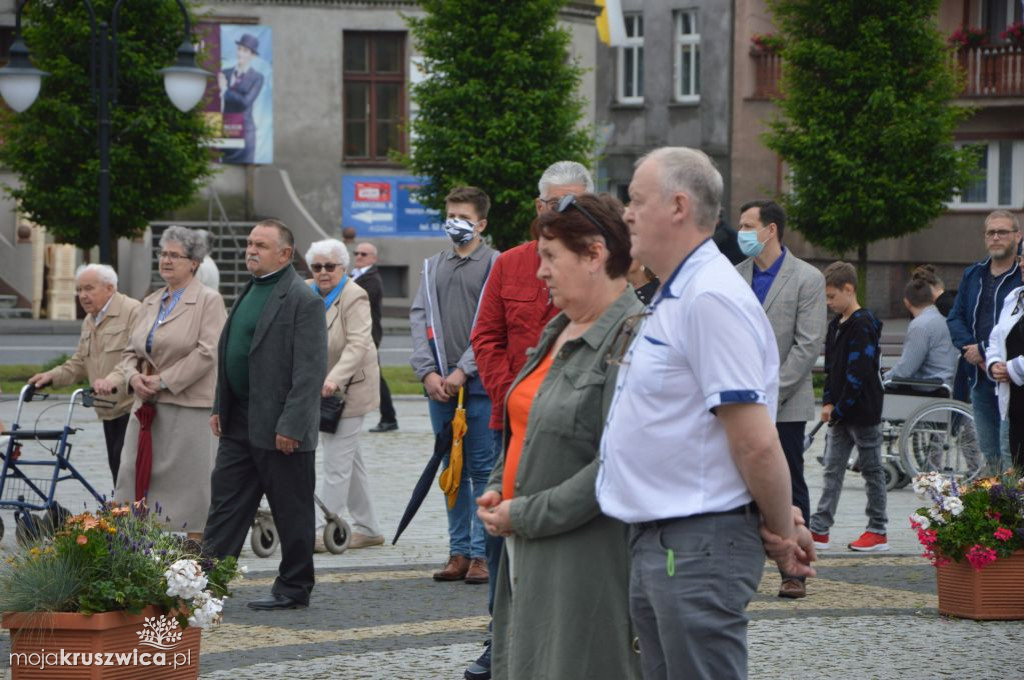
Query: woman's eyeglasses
[
  {"x": 569, "y": 200},
  {"x": 329, "y": 267},
  {"x": 173, "y": 257},
  {"x": 624, "y": 338}
]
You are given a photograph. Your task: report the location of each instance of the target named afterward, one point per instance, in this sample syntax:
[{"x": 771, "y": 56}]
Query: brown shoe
[
  {"x": 454, "y": 570},
  {"x": 792, "y": 588},
  {"x": 477, "y": 571}
]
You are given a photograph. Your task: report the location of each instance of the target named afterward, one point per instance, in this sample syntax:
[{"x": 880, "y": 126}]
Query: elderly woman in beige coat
[
  {"x": 352, "y": 374},
  {"x": 171, "y": 362}
]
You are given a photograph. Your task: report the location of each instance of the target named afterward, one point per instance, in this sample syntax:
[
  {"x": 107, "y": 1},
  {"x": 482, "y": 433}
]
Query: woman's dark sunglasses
[
  {"x": 569, "y": 200},
  {"x": 329, "y": 267}
]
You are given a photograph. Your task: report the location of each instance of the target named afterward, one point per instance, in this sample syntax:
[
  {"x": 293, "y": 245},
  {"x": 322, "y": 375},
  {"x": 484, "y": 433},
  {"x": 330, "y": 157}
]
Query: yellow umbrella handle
[{"x": 461, "y": 390}]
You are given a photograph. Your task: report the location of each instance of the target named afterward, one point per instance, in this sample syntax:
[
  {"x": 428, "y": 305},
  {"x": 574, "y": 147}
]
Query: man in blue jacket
[{"x": 975, "y": 312}]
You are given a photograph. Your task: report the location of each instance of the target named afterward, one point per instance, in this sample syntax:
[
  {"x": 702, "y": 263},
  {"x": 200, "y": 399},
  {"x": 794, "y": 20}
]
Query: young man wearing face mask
[
  {"x": 441, "y": 320},
  {"x": 792, "y": 294}
]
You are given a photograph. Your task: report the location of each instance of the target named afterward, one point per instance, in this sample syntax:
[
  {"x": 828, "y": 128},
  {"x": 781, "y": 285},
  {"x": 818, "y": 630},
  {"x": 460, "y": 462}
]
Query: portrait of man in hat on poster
[{"x": 241, "y": 85}]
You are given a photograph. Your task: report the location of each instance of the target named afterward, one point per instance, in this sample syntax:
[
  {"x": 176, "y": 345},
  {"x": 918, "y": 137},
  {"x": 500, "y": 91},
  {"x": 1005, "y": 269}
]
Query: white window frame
[
  {"x": 687, "y": 42},
  {"x": 992, "y": 166},
  {"x": 635, "y": 44}
]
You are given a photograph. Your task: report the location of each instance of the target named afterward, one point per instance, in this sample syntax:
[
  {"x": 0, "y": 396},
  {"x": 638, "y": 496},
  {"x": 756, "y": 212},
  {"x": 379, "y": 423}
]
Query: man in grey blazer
[
  {"x": 272, "y": 361},
  {"x": 792, "y": 293}
]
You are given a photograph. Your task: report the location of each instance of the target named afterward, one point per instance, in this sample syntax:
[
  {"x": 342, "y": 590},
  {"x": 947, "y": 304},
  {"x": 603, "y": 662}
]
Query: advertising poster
[
  {"x": 387, "y": 206},
  {"x": 239, "y": 101}
]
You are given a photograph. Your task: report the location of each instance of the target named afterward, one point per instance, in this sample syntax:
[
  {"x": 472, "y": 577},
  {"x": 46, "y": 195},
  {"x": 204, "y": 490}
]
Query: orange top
[{"x": 519, "y": 401}]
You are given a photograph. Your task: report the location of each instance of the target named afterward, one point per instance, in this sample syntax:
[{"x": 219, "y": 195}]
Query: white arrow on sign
[{"x": 370, "y": 216}]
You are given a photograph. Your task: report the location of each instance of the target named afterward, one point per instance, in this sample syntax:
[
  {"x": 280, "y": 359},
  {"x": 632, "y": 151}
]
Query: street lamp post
[{"x": 184, "y": 82}]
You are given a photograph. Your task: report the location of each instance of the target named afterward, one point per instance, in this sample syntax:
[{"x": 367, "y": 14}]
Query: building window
[
  {"x": 630, "y": 71},
  {"x": 687, "y": 65},
  {"x": 373, "y": 95},
  {"x": 996, "y": 15},
  {"x": 1000, "y": 179}
]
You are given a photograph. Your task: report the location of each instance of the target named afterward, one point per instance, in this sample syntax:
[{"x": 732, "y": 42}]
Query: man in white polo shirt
[{"x": 690, "y": 455}]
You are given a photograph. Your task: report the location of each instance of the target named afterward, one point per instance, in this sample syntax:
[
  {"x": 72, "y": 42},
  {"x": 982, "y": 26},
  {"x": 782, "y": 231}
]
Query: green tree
[
  {"x": 867, "y": 120},
  {"x": 498, "y": 107},
  {"x": 157, "y": 160}
]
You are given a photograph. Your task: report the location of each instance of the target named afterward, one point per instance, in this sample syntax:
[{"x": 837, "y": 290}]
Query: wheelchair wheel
[
  {"x": 892, "y": 475},
  {"x": 940, "y": 437},
  {"x": 1, "y": 529},
  {"x": 337, "y": 535},
  {"x": 263, "y": 538}
]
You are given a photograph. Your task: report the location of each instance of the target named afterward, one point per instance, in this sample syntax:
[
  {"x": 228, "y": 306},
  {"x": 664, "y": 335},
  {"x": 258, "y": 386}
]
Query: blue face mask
[
  {"x": 749, "y": 245},
  {"x": 460, "y": 231}
]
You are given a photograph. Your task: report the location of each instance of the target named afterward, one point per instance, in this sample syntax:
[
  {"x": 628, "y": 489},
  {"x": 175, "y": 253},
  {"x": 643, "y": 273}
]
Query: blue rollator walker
[{"x": 21, "y": 489}]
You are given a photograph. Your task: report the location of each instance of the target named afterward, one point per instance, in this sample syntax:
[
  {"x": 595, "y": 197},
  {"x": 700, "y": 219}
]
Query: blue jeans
[
  {"x": 465, "y": 531},
  {"x": 993, "y": 434}
]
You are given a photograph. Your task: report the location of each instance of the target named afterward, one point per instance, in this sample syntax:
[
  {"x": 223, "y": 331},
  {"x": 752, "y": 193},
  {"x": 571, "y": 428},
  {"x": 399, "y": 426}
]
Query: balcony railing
[{"x": 993, "y": 71}]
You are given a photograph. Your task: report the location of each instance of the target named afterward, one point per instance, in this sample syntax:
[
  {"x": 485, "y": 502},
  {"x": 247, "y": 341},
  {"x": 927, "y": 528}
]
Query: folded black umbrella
[{"x": 442, "y": 446}]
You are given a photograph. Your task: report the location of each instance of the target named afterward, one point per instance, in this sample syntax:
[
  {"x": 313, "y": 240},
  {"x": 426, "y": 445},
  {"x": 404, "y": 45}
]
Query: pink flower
[
  {"x": 1003, "y": 534},
  {"x": 927, "y": 537},
  {"x": 979, "y": 556},
  {"x": 82, "y": 539}
]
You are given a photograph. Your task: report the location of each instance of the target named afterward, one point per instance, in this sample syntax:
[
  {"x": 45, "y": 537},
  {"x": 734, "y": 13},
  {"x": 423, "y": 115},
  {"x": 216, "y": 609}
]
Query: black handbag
[{"x": 331, "y": 409}]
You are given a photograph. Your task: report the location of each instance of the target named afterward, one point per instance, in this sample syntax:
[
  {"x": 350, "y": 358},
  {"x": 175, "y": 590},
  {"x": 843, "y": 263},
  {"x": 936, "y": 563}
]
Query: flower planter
[
  {"x": 994, "y": 593},
  {"x": 109, "y": 645}
]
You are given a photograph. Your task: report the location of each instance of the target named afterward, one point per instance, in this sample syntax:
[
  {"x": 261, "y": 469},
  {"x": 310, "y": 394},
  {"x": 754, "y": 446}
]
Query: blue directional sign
[{"x": 387, "y": 206}]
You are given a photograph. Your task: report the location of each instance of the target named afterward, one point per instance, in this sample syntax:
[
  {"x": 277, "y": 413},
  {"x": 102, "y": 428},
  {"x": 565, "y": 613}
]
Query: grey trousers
[
  {"x": 693, "y": 624},
  {"x": 839, "y": 443}
]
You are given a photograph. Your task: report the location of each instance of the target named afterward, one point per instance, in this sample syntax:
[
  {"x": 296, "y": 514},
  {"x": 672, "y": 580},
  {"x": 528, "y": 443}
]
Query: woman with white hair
[
  {"x": 354, "y": 376},
  {"x": 170, "y": 365}
]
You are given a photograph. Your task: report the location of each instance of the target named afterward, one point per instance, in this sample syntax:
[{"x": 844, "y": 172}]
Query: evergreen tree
[
  {"x": 867, "y": 120},
  {"x": 157, "y": 160},
  {"x": 499, "y": 105}
]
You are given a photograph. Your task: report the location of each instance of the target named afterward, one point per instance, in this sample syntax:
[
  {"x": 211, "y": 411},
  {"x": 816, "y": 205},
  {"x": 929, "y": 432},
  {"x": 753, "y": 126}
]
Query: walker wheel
[
  {"x": 337, "y": 535},
  {"x": 28, "y": 529},
  {"x": 263, "y": 538}
]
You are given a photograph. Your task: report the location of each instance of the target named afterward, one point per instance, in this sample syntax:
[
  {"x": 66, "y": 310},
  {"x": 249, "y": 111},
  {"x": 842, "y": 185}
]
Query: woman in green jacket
[{"x": 561, "y": 606}]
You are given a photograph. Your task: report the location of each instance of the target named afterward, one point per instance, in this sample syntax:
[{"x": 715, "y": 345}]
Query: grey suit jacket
[
  {"x": 795, "y": 306},
  {"x": 287, "y": 366}
]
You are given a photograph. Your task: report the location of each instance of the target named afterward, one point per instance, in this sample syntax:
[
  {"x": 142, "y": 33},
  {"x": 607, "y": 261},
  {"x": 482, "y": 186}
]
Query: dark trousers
[
  {"x": 113, "y": 432},
  {"x": 387, "y": 409},
  {"x": 241, "y": 475},
  {"x": 791, "y": 436},
  {"x": 1017, "y": 442}
]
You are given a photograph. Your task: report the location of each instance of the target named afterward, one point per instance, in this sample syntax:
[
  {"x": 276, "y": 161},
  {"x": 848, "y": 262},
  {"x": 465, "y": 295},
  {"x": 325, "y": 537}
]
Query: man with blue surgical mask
[
  {"x": 441, "y": 321},
  {"x": 792, "y": 294}
]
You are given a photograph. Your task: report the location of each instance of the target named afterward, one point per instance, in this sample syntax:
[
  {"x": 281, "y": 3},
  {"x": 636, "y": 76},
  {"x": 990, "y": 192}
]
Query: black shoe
[
  {"x": 385, "y": 426},
  {"x": 276, "y": 602},
  {"x": 481, "y": 668}
]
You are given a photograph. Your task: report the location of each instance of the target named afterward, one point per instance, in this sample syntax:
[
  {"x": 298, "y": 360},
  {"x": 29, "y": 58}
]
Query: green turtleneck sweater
[{"x": 243, "y": 325}]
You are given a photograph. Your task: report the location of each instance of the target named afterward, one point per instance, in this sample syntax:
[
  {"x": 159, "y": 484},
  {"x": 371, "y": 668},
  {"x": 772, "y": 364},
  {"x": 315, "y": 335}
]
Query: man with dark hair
[
  {"x": 928, "y": 351},
  {"x": 792, "y": 294},
  {"x": 272, "y": 361},
  {"x": 441, "y": 321},
  {"x": 367, "y": 275}
]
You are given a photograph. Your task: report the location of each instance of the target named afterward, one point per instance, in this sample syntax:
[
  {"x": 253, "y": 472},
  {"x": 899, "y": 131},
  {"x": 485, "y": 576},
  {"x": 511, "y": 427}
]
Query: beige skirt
[{"x": 184, "y": 449}]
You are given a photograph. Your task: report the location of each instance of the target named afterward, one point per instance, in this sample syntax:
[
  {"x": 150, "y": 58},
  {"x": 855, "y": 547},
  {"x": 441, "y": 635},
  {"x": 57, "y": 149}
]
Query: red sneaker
[
  {"x": 820, "y": 541},
  {"x": 869, "y": 541}
]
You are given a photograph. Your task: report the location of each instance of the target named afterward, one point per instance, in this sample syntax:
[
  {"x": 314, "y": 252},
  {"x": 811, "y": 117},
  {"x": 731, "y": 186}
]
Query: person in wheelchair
[{"x": 928, "y": 351}]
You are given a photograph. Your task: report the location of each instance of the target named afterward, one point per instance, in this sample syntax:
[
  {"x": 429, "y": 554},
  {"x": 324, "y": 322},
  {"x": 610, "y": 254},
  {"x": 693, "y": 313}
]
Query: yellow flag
[{"x": 611, "y": 27}]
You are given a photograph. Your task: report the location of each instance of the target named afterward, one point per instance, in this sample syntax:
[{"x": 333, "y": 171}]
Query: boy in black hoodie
[{"x": 852, "y": 406}]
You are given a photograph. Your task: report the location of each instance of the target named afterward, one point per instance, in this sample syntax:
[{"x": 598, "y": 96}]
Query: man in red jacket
[{"x": 514, "y": 309}]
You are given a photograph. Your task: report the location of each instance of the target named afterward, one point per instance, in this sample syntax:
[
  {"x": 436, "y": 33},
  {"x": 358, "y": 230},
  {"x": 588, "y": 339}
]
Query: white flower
[
  {"x": 243, "y": 569},
  {"x": 920, "y": 520},
  {"x": 936, "y": 515},
  {"x": 206, "y": 610},
  {"x": 185, "y": 579},
  {"x": 954, "y": 505}
]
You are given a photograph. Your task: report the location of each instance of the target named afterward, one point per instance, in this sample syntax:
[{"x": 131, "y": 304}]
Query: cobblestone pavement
[{"x": 376, "y": 613}]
